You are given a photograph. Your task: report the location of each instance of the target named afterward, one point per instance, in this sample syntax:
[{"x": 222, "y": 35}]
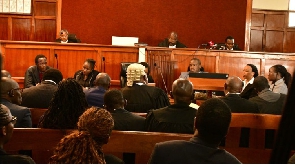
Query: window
[
  {"x": 291, "y": 13},
  {"x": 15, "y": 6}
]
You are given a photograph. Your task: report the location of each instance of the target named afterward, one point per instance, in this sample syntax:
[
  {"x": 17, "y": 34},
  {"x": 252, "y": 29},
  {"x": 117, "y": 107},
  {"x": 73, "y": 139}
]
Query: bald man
[
  {"x": 94, "y": 95},
  {"x": 175, "y": 118},
  {"x": 11, "y": 98},
  {"x": 172, "y": 41},
  {"x": 232, "y": 88}
]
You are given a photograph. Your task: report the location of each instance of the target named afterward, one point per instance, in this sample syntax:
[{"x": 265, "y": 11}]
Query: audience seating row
[{"x": 41, "y": 142}]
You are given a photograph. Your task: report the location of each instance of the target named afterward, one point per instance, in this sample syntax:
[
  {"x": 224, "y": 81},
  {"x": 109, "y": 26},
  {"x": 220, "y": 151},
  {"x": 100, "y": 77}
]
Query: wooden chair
[
  {"x": 259, "y": 125},
  {"x": 36, "y": 114}
]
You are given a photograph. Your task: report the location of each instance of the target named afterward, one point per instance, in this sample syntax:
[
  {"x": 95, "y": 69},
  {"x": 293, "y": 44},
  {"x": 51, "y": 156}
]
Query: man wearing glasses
[
  {"x": 11, "y": 97},
  {"x": 7, "y": 122}
]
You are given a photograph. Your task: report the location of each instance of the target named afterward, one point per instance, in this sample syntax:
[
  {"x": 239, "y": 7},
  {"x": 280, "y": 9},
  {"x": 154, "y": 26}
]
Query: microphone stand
[
  {"x": 155, "y": 64},
  {"x": 55, "y": 55}
]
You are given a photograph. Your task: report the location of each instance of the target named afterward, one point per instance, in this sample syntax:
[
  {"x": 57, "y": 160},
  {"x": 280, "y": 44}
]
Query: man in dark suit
[
  {"x": 178, "y": 117},
  {"x": 211, "y": 123},
  {"x": 172, "y": 42},
  {"x": 7, "y": 122},
  {"x": 34, "y": 74},
  {"x": 40, "y": 96},
  {"x": 94, "y": 95},
  {"x": 11, "y": 98},
  {"x": 229, "y": 44},
  {"x": 232, "y": 89},
  {"x": 65, "y": 37},
  {"x": 124, "y": 120},
  {"x": 250, "y": 73}
]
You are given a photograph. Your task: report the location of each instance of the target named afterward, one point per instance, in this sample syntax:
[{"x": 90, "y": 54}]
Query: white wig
[{"x": 134, "y": 71}]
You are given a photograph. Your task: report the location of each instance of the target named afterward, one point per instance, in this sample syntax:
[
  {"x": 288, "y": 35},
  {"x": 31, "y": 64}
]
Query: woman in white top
[{"x": 279, "y": 79}]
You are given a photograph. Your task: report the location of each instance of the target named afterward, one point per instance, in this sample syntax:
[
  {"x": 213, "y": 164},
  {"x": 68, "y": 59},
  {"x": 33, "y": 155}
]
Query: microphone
[
  {"x": 104, "y": 64},
  {"x": 155, "y": 64},
  {"x": 55, "y": 55}
]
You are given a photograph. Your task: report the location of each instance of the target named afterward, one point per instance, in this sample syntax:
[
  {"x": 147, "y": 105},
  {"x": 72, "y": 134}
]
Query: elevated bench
[{"x": 42, "y": 141}]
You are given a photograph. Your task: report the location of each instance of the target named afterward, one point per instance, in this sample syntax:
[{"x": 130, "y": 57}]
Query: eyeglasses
[{"x": 13, "y": 120}]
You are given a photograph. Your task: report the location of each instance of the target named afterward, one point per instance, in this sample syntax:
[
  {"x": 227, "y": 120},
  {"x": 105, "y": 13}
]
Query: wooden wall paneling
[
  {"x": 288, "y": 62},
  {"x": 248, "y": 25},
  {"x": 257, "y": 20},
  {"x": 21, "y": 29},
  {"x": 256, "y": 40},
  {"x": 275, "y": 20},
  {"x": 45, "y": 8},
  {"x": 45, "y": 30},
  {"x": 69, "y": 61},
  {"x": 113, "y": 59},
  {"x": 3, "y": 28},
  {"x": 17, "y": 61},
  {"x": 290, "y": 42},
  {"x": 274, "y": 41}
]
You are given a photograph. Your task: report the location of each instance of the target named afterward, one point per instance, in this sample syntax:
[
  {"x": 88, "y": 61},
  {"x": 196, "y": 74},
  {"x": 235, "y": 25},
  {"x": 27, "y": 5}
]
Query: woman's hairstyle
[
  {"x": 283, "y": 72},
  {"x": 84, "y": 146},
  {"x": 66, "y": 106},
  {"x": 254, "y": 69},
  {"x": 91, "y": 62}
]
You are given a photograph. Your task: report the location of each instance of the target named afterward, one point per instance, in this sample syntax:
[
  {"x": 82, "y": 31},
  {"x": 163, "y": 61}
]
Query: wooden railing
[
  {"x": 166, "y": 64},
  {"x": 34, "y": 140}
]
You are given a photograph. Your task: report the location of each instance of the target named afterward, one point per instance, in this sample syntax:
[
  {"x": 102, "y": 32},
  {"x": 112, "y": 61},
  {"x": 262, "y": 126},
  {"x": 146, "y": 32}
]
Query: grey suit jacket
[
  {"x": 23, "y": 114},
  {"x": 38, "y": 96},
  {"x": 32, "y": 76}
]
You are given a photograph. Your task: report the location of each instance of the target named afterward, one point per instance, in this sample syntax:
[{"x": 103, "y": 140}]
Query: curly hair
[
  {"x": 66, "y": 106},
  {"x": 134, "y": 72},
  {"x": 84, "y": 146}
]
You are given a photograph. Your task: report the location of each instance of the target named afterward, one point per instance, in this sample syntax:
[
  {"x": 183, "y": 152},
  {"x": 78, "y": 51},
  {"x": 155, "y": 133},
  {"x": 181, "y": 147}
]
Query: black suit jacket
[
  {"x": 240, "y": 105},
  {"x": 248, "y": 92},
  {"x": 32, "y": 76},
  {"x": 165, "y": 43},
  {"x": 38, "y": 96}
]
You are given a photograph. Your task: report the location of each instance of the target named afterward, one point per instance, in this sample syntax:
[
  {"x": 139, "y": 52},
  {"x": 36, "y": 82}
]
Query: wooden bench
[
  {"x": 36, "y": 113},
  {"x": 42, "y": 141}
]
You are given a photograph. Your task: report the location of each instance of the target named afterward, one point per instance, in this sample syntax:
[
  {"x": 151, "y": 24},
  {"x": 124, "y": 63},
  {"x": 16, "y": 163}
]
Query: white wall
[{"x": 270, "y": 4}]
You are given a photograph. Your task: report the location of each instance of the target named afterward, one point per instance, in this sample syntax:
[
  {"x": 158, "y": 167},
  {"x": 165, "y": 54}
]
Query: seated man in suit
[
  {"x": 11, "y": 97},
  {"x": 34, "y": 74},
  {"x": 141, "y": 97},
  {"x": 94, "y": 95},
  {"x": 229, "y": 44},
  {"x": 41, "y": 95},
  {"x": 7, "y": 122},
  {"x": 232, "y": 89},
  {"x": 268, "y": 102},
  {"x": 124, "y": 120},
  {"x": 65, "y": 37},
  {"x": 172, "y": 41},
  {"x": 194, "y": 67},
  {"x": 176, "y": 118},
  {"x": 250, "y": 73},
  {"x": 211, "y": 123}
]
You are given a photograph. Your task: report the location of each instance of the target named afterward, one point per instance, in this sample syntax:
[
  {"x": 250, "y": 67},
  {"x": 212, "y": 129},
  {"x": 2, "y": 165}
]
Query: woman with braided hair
[
  {"x": 279, "y": 79},
  {"x": 84, "y": 146},
  {"x": 66, "y": 106}
]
